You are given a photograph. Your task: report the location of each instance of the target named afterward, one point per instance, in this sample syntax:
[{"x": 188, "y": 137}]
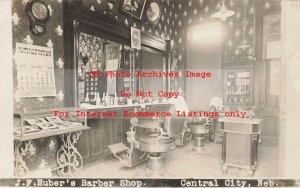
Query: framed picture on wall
[
  {"x": 134, "y": 8},
  {"x": 136, "y": 38},
  {"x": 271, "y": 36}
]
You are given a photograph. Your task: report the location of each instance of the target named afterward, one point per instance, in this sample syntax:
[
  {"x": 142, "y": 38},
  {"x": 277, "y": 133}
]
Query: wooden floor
[{"x": 180, "y": 164}]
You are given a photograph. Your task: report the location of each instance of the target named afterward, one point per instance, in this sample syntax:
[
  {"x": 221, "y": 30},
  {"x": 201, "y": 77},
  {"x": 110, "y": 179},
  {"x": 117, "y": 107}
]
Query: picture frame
[
  {"x": 134, "y": 8},
  {"x": 136, "y": 38},
  {"x": 271, "y": 36}
]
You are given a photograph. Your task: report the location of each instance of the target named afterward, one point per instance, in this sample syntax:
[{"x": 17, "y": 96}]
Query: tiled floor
[{"x": 180, "y": 164}]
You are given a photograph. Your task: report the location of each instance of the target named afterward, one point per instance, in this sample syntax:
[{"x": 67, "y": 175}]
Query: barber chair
[
  {"x": 150, "y": 138},
  {"x": 199, "y": 129}
]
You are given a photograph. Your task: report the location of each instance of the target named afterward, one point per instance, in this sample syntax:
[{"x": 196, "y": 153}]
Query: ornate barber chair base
[
  {"x": 199, "y": 131},
  {"x": 155, "y": 167},
  {"x": 157, "y": 137},
  {"x": 155, "y": 146}
]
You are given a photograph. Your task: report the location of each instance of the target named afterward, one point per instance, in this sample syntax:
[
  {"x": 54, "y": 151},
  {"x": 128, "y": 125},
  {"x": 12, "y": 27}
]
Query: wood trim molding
[{"x": 153, "y": 42}]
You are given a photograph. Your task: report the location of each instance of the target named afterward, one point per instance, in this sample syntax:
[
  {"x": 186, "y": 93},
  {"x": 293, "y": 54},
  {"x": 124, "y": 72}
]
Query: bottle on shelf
[
  {"x": 98, "y": 100},
  {"x": 87, "y": 97},
  {"x": 95, "y": 96}
]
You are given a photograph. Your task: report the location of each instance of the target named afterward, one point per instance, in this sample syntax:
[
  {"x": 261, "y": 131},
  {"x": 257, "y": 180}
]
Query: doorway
[{"x": 203, "y": 55}]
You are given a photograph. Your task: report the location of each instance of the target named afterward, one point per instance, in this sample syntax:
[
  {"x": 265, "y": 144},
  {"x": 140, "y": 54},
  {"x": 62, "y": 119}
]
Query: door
[{"x": 269, "y": 101}]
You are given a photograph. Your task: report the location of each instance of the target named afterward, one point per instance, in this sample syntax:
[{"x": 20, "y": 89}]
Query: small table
[{"x": 240, "y": 143}]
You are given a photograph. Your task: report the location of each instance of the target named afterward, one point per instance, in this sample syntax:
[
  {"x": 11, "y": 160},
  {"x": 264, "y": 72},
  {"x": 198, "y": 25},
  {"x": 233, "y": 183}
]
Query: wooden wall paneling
[
  {"x": 106, "y": 134},
  {"x": 118, "y": 130},
  {"x": 125, "y": 127},
  {"x": 82, "y": 144},
  {"x": 95, "y": 140}
]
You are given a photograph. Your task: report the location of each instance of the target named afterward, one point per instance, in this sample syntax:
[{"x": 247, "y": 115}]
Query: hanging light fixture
[
  {"x": 223, "y": 13},
  {"x": 244, "y": 44}
]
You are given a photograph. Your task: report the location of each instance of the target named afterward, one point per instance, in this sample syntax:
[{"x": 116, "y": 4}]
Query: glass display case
[
  {"x": 44, "y": 123},
  {"x": 238, "y": 86}
]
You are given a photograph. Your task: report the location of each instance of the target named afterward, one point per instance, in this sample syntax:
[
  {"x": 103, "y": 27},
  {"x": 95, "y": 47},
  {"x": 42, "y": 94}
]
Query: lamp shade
[{"x": 223, "y": 13}]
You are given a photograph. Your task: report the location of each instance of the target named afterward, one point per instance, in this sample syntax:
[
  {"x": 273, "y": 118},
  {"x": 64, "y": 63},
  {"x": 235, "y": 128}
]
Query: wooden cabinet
[
  {"x": 240, "y": 143},
  {"x": 238, "y": 85},
  {"x": 103, "y": 132}
]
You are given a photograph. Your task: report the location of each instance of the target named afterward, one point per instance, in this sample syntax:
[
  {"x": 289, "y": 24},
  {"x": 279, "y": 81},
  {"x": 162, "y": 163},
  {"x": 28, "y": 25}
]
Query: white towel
[{"x": 179, "y": 103}]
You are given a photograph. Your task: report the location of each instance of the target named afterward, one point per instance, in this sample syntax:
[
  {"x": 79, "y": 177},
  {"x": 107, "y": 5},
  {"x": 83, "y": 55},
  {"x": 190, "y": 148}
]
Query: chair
[{"x": 147, "y": 140}]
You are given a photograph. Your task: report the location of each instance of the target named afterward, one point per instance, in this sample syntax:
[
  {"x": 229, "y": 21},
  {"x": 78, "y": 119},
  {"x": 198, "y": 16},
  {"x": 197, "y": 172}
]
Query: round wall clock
[
  {"x": 39, "y": 15},
  {"x": 153, "y": 12}
]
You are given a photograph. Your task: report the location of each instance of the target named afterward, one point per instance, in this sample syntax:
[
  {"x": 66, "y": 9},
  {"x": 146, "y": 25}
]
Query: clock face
[
  {"x": 153, "y": 11},
  {"x": 39, "y": 10}
]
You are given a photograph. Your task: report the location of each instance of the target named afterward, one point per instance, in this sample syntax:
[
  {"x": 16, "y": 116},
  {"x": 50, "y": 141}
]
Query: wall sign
[{"x": 35, "y": 71}]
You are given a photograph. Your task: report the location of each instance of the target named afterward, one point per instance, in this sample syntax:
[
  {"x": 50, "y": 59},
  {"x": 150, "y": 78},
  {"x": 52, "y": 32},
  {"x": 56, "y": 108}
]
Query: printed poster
[{"x": 35, "y": 71}]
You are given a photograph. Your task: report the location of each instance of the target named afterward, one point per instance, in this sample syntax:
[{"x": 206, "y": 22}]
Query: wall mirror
[
  {"x": 104, "y": 68},
  {"x": 116, "y": 66},
  {"x": 153, "y": 61}
]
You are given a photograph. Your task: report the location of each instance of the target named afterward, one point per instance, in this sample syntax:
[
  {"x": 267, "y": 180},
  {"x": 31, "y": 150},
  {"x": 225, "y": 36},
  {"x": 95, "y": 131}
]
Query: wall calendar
[{"x": 35, "y": 71}]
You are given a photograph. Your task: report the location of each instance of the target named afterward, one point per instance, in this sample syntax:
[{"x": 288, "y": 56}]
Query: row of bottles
[
  {"x": 238, "y": 99},
  {"x": 106, "y": 100},
  {"x": 239, "y": 75},
  {"x": 238, "y": 92},
  {"x": 239, "y": 82}
]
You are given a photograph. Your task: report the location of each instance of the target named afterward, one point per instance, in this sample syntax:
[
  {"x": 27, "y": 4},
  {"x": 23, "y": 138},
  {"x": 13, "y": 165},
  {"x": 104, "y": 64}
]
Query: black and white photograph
[{"x": 150, "y": 93}]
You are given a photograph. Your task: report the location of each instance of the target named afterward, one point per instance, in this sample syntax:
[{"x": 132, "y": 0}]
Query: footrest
[{"x": 118, "y": 148}]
